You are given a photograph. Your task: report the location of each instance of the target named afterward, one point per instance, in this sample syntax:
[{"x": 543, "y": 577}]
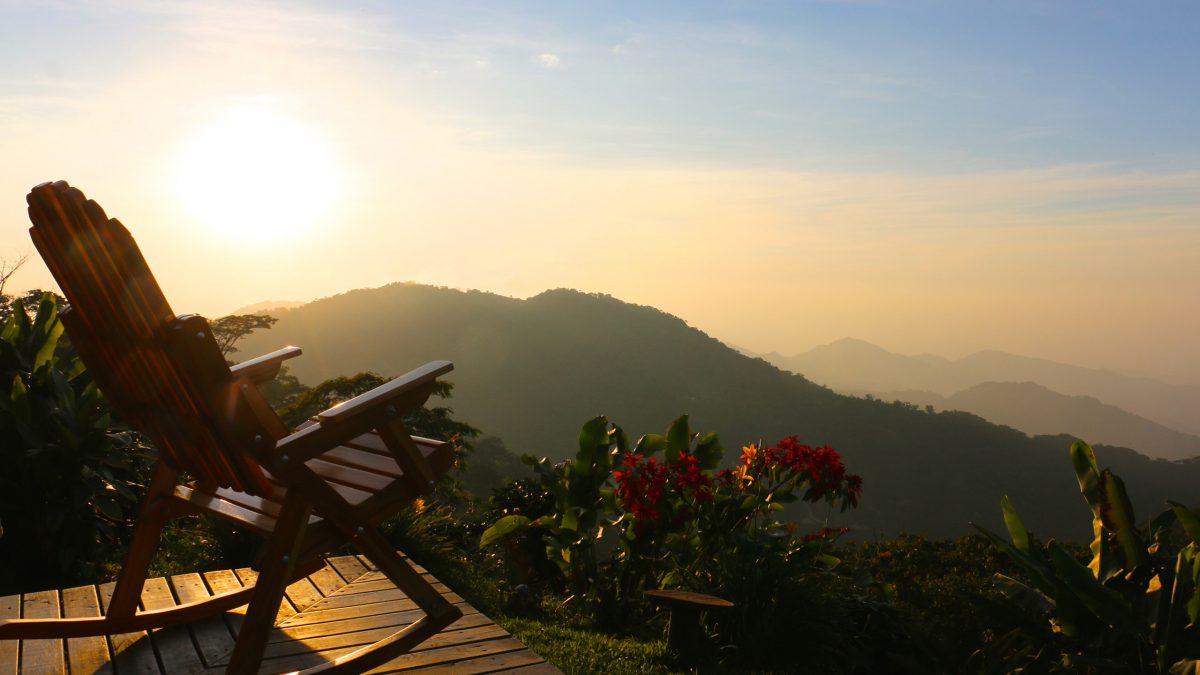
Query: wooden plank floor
[{"x": 345, "y": 605}]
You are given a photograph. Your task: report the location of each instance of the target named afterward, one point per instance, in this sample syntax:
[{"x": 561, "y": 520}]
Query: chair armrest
[
  {"x": 380, "y": 395},
  {"x": 266, "y": 367},
  {"x": 375, "y": 409}
]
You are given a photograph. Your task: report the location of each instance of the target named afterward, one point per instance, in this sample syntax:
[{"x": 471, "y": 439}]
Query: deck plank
[
  {"x": 213, "y": 637},
  {"x": 368, "y": 633},
  {"x": 249, "y": 576},
  {"x": 542, "y": 668},
  {"x": 485, "y": 664},
  {"x": 390, "y": 600},
  {"x": 10, "y": 650},
  {"x": 176, "y": 652},
  {"x": 348, "y": 621},
  {"x": 418, "y": 657},
  {"x": 85, "y": 654},
  {"x": 41, "y": 656},
  {"x": 373, "y": 581},
  {"x": 348, "y": 567},
  {"x": 222, "y": 581},
  {"x": 451, "y": 656},
  {"x": 336, "y": 617},
  {"x": 311, "y": 653},
  {"x": 302, "y": 594},
  {"x": 133, "y": 653},
  {"x": 326, "y": 580}
]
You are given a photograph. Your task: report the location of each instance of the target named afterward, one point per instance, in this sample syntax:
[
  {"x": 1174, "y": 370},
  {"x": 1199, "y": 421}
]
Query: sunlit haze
[{"x": 939, "y": 177}]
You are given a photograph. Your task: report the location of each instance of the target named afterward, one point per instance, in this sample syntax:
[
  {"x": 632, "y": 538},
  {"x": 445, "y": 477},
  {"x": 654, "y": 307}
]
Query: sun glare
[{"x": 258, "y": 176}]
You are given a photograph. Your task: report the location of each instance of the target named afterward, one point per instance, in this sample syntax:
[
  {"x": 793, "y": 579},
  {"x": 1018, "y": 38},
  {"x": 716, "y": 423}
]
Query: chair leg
[
  {"x": 379, "y": 551},
  {"x": 128, "y": 591},
  {"x": 438, "y": 612},
  {"x": 279, "y": 561},
  {"x": 372, "y": 544}
]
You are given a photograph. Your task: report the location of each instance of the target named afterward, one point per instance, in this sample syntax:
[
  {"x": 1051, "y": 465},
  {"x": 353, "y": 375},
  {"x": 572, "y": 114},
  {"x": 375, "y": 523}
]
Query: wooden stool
[{"x": 683, "y": 627}]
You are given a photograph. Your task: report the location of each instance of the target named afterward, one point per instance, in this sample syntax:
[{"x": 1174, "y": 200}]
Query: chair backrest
[{"x": 164, "y": 375}]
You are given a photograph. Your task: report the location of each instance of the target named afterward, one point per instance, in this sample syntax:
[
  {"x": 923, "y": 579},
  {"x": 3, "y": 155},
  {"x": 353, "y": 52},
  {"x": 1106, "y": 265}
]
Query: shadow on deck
[{"x": 345, "y": 605}]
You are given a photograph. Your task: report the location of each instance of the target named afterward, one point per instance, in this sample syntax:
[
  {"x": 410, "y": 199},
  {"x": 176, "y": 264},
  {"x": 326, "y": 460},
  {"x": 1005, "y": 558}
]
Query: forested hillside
[{"x": 531, "y": 371}]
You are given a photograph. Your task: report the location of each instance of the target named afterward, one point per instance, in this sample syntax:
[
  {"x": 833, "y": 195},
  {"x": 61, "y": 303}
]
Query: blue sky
[
  {"x": 930, "y": 176},
  {"x": 923, "y": 86}
]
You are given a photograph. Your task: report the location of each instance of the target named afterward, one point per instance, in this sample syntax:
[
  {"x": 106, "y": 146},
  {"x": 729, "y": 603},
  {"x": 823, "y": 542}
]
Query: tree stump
[{"x": 683, "y": 625}]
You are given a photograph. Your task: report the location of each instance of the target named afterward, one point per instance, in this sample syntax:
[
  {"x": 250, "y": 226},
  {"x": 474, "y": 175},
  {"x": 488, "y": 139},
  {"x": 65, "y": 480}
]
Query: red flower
[
  {"x": 826, "y": 533},
  {"x": 691, "y": 479},
  {"x": 640, "y": 490}
]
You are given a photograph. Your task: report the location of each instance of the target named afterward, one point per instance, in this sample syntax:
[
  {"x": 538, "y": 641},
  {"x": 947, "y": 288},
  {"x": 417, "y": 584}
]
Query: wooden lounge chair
[{"x": 223, "y": 451}]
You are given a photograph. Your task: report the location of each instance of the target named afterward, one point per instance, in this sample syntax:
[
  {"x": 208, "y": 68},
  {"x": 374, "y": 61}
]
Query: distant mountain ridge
[
  {"x": 266, "y": 306},
  {"x": 532, "y": 371},
  {"x": 1034, "y": 409},
  {"x": 851, "y": 365}
]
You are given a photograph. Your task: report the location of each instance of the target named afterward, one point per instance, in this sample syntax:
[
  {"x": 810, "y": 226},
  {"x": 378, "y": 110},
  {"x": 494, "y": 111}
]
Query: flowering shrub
[
  {"x": 774, "y": 473},
  {"x": 659, "y": 514}
]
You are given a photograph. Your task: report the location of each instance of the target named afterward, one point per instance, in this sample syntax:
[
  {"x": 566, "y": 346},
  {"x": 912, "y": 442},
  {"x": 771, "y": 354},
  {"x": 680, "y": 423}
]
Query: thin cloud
[{"x": 548, "y": 60}]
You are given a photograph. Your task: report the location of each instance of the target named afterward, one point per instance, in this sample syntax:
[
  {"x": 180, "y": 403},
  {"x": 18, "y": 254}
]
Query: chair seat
[{"x": 359, "y": 471}]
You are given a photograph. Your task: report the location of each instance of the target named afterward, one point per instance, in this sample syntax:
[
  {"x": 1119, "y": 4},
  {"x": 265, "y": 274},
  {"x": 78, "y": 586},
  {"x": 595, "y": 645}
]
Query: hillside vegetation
[{"x": 529, "y": 370}]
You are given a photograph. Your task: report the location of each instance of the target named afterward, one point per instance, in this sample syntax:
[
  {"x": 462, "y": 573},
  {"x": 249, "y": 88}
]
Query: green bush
[
  {"x": 69, "y": 479},
  {"x": 943, "y": 586}
]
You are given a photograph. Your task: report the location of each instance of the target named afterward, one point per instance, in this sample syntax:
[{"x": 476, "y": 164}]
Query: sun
[{"x": 258, "y": 176}]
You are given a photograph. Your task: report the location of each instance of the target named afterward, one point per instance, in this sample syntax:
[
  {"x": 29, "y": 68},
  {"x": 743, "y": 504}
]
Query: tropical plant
[
  {"x": 69, "y": 477},
  {"x": 1133, "y": 607},
  {"x": 658, "y": 513}
]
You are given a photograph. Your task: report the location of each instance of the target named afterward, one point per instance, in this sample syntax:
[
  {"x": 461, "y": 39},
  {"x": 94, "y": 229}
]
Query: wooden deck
[{"x": 345, "y": 605}]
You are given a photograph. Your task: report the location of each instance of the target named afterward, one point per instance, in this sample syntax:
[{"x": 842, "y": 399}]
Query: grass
[
  {"x": 555, "y": 636},
  {"x": 578, "y": 650}
]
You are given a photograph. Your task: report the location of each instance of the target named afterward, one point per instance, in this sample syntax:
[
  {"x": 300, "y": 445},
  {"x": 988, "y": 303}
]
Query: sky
[{"x": 930, "y": 176}]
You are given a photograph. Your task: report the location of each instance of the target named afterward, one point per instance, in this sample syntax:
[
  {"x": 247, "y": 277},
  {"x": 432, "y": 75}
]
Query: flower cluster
[
  {"x": 640, "y": 485},
  {"x": 821, "y": 467},
  {"x": 691, "y": 479},
  {"x": 826, "y": 533}
]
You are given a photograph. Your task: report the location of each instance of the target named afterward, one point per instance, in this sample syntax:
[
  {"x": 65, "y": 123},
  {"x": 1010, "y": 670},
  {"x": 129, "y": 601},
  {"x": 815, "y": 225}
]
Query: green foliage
[
  {"x": 229, "y": 330},
  {"x": 1133, "y": 608},
  {"x": 430, "y": 422},
  {"x": 69, "y": 478},
  {"x": 284, "y": 390},
  {"x": 327, "y": 394},
  {"x": 627, "y": 517},
  {"x": 491, "y": 467},
  {"x": 199, "y": 544},
  {"x": 944, "y": 587}
]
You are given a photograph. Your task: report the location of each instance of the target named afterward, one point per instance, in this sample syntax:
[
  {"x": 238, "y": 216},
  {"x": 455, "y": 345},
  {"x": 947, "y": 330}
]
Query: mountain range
[
  {"x": 855, "y": 366},
  {"x": 532, "y": 371},
  {"x": 1034, "y": 409}
]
